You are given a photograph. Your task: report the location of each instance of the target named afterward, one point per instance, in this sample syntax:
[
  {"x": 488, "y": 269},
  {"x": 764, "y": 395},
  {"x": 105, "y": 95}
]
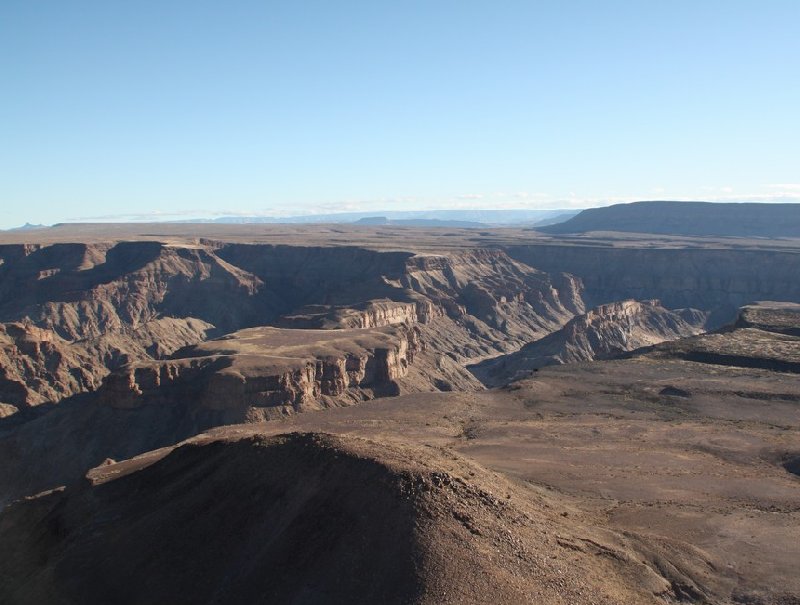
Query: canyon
[
  {"x": 601, "y": 333},
  {"x": 469, "y": 414}
]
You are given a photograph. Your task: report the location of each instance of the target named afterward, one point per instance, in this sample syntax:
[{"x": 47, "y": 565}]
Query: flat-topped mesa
[
  {"x": 260, "y": 373},
  {"x": 733, "y": 219}
]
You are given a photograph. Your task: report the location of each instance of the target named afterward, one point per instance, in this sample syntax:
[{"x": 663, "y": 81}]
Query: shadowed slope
[{"x": 303, "y": 518}]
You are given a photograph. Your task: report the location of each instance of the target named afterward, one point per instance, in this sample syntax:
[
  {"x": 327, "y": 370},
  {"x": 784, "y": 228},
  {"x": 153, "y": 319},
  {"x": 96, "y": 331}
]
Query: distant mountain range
[
  {"x": 745, "y": 219},
  {"x": 417, "y": 222},
  {"x": 687, "y": 218},
  {"x": 28, "y": 227},
  {"x": 446, "y": 218},
  {"x": 418, "y": 218}
]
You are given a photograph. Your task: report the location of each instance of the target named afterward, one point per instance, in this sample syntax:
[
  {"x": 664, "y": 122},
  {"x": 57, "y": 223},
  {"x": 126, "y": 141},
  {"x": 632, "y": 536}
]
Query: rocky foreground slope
[
  {"x": 666, "y": 477},
  {"x": 601, "y": 333},
  {"x": 226, "y": 520},
  {"x": 651, "y": 479}
]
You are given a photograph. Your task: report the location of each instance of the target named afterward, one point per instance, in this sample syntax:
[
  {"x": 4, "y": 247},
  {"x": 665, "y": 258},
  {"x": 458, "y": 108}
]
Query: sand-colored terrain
[{"x": 270, "y": 414}]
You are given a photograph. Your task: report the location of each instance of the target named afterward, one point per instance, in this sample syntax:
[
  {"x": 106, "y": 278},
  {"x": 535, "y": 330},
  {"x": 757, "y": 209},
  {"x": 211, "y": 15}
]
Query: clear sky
[{"x": 179, "y": 108}]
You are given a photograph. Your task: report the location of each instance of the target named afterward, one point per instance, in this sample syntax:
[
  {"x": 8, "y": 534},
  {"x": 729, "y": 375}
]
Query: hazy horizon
[{"x": 191, "y": 110}]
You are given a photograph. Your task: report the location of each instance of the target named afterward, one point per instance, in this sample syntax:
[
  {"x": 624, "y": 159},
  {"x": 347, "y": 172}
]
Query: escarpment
[
  {"x": 601, "y": 333},
  {"x": 715, "y": 279},
  {"x": 259, "y": 373},
  {"x": 105, "y": 306},
  {"x": 766, "y": 335}
]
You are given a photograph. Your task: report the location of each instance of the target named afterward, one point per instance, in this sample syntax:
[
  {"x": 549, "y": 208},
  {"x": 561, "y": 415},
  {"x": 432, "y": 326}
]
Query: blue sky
[{"x": 167, "y": 109}]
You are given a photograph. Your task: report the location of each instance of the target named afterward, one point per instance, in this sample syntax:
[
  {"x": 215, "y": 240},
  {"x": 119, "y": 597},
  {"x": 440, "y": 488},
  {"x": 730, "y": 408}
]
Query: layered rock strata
[
  {"x": 103, "y": 306},
  {"x": 766, "y": 335},
  {"x": 262, "y": 372},
  {"x": 601, "y": 333}
]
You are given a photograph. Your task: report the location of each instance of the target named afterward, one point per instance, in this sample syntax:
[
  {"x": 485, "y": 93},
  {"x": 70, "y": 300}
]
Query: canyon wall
[
  {"x": 101, "y": 307},
  {"x": 716, "y": 280},
  {"x": 262, "y": 373},
  {"x": 601, "y": 333}
]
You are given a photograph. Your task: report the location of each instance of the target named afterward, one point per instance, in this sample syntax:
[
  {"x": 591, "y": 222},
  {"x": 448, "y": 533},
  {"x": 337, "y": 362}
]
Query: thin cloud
[{"x": 521, "y": 200}]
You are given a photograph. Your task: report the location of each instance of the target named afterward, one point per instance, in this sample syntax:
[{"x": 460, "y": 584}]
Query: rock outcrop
[
  {"x": 259, "y": 373},
  {"x": 766, "y": 335},
  {"x": 602, "y": 333},
  {"x": 769, "y": 316}
]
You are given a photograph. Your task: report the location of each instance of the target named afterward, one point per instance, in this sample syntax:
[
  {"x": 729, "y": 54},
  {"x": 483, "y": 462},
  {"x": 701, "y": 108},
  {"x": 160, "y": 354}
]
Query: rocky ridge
[
  {"x": 765, "y": 335},
  {"x": 601, "y": 333},
  {"x": 437, "y": 529}
]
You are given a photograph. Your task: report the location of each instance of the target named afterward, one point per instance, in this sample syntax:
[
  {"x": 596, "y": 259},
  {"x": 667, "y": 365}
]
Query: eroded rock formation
[
  {"x": 601, "y": 333},
  {"x": 259, "y": 373},
  {"x": 105, "y": 306},
  {"x": 712, "y": 278}
]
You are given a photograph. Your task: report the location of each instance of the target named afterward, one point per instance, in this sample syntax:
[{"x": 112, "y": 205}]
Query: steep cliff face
[
  {"x": 603, "y": 332},
  {"x": 716, "y": 280},
  {"x": 488, "y": 303},
  {"x": 37, "y": 366},
  {"x": 104, "y": 306},
  {"x": 259, "y": 373}
]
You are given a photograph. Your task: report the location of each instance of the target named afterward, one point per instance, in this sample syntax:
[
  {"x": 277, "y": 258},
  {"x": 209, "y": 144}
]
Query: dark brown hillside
[{"x": 309, "y": 518}]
